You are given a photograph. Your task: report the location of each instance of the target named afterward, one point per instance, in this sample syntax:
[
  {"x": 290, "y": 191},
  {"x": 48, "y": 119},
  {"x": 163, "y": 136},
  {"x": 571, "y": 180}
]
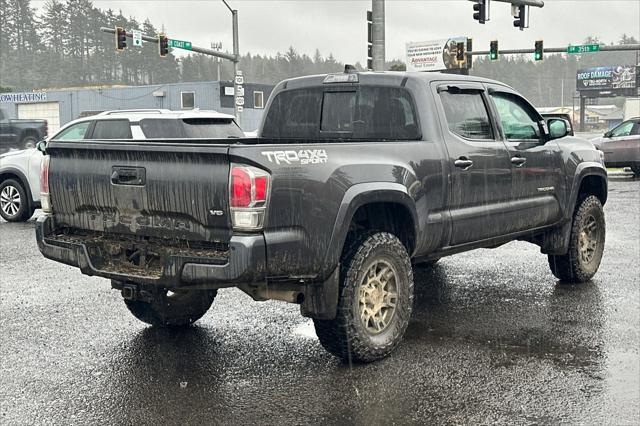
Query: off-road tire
[
  {"x": 346, "y": 336},
  {"x": 636, "y": 170},
  {"x": 178, "y": 309},
  {"x": 571, "y": 267},
  {"x": 25, "y": 210}
]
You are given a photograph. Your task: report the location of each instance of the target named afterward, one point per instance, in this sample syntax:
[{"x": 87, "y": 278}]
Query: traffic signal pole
[
  {"x": 378, "y": 34},
  {"x": 603, "y": 48},
  {"x": 235, "y": 57}
]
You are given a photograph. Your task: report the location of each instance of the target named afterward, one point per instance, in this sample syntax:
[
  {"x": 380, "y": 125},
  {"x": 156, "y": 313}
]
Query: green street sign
[
  {"x": 180, "y": 44},
  {"x": 585, "y": 48}
]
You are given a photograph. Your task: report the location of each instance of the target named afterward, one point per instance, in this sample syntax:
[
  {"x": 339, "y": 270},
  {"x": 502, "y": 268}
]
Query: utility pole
[
  {"x": 238, "y": 101},
  {"x": 378, "y": 36}
]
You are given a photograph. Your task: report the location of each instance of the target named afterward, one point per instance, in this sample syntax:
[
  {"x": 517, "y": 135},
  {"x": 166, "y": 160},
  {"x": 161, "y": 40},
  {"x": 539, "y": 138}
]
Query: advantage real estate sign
[{"x": 435, "y": 55}]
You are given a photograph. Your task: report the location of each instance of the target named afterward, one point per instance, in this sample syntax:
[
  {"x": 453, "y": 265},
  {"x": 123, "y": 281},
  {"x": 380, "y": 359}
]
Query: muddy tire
[
  {"x": 173, "y": 309},
  {"x": 636, "y": 170},
  {"x": 375, "y": 300},
  {"x": 14, "y": 203},
  {"x": 586, "y": 244}
]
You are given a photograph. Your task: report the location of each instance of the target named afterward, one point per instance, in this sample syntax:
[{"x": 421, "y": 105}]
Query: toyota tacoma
[{"x": 352, "y": 178}]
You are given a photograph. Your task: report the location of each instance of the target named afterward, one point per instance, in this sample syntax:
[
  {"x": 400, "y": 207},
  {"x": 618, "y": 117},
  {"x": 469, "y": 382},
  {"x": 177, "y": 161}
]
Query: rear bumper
[{"x": 244, "y": 264}]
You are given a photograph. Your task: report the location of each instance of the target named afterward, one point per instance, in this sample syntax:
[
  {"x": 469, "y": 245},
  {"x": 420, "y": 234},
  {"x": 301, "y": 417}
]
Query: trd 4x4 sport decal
[{"x": 302, "y": 156}]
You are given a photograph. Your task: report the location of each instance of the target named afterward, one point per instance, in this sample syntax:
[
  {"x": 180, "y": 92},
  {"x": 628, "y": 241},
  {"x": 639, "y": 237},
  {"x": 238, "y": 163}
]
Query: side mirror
[
  {"x": 558, "y": 128},
  {"x": 608, "y": 134},
  {"x": 42, "y": 146}
]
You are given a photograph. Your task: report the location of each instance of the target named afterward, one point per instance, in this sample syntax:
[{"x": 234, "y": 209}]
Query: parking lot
[{"x": 494, "y": 338}]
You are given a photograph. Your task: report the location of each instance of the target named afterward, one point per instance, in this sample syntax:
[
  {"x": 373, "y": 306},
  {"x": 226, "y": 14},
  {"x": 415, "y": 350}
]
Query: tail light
[
  {"x": 45, "y": 199},
  {"x": 248, "y": 197},
  {"x": 45, "y": 130}
]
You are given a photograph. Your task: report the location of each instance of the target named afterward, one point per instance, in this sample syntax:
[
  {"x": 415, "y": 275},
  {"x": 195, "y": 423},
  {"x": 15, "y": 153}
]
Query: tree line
[{"x": 62, "y": 46}]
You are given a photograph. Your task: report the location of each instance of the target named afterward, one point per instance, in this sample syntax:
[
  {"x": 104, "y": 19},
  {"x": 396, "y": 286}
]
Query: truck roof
[{"x": 385, "y": 78}]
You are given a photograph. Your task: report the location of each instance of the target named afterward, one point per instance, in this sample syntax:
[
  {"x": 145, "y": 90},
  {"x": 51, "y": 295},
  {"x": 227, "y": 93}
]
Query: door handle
[
  {"x": 518, "y": 161},
  {"x": 463, "y": 162},
  {"x": 128, "y": 175}
]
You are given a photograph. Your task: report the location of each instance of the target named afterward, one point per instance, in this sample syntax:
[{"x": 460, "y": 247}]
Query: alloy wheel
[{"x": 10, "y": 201}]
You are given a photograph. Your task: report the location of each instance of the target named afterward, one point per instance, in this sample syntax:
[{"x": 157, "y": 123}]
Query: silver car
[{"x": 621, "y": 145}]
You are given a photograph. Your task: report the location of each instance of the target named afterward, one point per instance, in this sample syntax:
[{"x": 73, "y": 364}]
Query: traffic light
[
  {"x": 369, "y": 40},
  {"x": 521, "y": 13},
  {"x": 163, "y": 45},
  {"x": 538, "y": 54},
  {"x": 493, "y": 50},
  {"x": 460, "y": 51},
  {"x": 121, "y": 39},
  {"x": 481, "y": 9}
]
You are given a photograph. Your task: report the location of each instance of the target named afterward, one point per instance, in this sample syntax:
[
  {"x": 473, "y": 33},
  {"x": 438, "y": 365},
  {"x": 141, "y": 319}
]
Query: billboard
[
  {"x": 435, "y": 55},
  {"x": 619, "y": 77}
]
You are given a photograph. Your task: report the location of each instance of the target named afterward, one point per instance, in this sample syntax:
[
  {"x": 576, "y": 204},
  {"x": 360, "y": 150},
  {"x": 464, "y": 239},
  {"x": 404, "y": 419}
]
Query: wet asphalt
[{"x": 494, "y": 339}]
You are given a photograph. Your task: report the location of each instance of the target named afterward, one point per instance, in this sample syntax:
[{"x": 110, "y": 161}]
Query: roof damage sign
[
  {"x": 435, "y": 55},
  {"x": 619, "y": 77}
]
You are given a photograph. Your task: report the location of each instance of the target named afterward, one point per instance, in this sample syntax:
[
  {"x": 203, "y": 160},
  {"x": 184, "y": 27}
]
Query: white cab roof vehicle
[{"x": 20, "y": 170}]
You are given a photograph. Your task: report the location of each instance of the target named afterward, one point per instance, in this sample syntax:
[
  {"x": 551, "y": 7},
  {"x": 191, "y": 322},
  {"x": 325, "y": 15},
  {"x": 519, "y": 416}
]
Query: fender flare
[
  {"x": 23, "y": 181},
  {"x": 582, "y": 171},
  {"x": 355, "y": 197}
]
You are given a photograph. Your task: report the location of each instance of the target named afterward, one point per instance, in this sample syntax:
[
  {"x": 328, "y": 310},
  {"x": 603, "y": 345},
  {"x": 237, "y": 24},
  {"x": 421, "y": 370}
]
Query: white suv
[{"x": 20, "y": 170}]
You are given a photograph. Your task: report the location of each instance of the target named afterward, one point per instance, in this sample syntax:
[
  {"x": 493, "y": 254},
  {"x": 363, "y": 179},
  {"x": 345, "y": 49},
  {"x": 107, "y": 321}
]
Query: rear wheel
[
  {"x": 586, "y": 244},
  {"x": 172, "y": 308},
  {"x": 375, "y": 302},
  {"x": 29, "y": 142},
  {"x": 14, "y": 203}
]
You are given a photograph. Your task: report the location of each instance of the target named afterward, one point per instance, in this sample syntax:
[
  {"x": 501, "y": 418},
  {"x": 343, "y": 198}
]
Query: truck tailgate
[{"x": 171, "y": 190}]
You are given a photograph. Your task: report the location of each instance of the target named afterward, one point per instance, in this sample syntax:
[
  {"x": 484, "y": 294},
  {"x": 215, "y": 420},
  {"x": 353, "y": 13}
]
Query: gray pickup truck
[
  {"x": 352, "y": 178},
  {"x": 20, "y": 134}
]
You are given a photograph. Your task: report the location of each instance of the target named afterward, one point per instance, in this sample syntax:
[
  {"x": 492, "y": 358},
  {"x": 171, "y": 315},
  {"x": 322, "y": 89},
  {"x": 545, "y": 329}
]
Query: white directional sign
[
  {"x": 240, "y": 109},
  {"x": 137, "y": 38},
  {"x": 239, "y": 91}
]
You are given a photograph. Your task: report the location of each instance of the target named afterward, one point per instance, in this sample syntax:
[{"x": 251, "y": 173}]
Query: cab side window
[
  {"x": 518, "y": 121},
  {"x": 622, "y": 130},
  {"x": 112, "y": 129},
  {"x": 73, "y": 133},
  {"x": 467, "y": 114}
]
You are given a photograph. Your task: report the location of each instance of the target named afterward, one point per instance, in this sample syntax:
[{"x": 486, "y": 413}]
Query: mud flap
[
  {"x": 555, "y": 241},
  {"x": 321, "y": 299}
]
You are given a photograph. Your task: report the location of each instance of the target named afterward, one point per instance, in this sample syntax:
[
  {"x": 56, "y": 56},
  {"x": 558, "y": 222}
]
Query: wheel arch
[
  {"x": 11, "y": 173},
  {"x": 387, "y": 206},
  {"x": 591, "y": 179}
]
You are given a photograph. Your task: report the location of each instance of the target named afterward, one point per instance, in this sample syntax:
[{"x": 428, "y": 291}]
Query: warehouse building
[{"x": 60, "y": 106}]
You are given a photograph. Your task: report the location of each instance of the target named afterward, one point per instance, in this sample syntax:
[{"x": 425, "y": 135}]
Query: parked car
[
  {"x": 18, "y": 134},
  {"x": 20, "y": 170},
  {"x": 621, "y": 145},
  {"x": 353, "y": 177}
]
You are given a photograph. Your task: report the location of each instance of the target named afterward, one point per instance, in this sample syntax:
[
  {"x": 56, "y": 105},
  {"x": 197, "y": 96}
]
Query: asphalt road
[{"x": 494, "y": 339}]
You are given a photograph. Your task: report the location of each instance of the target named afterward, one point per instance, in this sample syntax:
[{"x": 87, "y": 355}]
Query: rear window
[
  {"x": 111, "y": 129},
  {"x": 190, "y": 128},
  {"x": 358, "y": 113}
]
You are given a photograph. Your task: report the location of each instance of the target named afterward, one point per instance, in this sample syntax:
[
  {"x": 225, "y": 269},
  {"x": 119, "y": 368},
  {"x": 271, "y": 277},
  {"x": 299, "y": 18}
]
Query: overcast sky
[{"x": 339, "y": 26}]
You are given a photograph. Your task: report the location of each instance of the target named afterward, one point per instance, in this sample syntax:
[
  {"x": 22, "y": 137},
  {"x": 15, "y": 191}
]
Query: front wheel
[
  {"x": 636, "y": 170},
  {"x": 29, "y": 142},
  {"x": 375, "y": 301},
  {"x": 172, "y": 308},
  {"x": 586, "y": 244},
  {"x": 14, "y": 203}
]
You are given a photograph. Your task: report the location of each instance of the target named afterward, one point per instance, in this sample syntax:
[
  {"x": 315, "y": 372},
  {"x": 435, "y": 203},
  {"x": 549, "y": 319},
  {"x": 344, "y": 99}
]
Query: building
[{"x": 59, "y": 106}]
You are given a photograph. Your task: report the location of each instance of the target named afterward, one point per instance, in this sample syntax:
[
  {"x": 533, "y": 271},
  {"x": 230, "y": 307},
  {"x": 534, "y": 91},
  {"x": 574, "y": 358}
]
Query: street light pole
[{"x": 236, "y": 54}]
